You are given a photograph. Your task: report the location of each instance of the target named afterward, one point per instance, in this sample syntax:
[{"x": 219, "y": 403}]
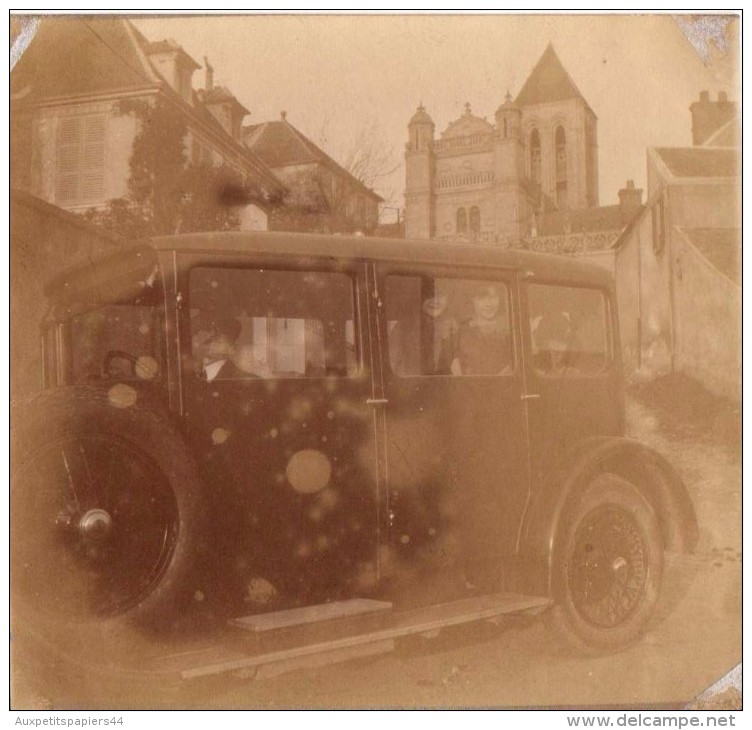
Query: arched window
[
  {"x": 461, "y": 222},
  {"x": 505, "y": 128},
  {"x": 535, "y": 156},
  {"x": 560, "y": 141},
  {"x": 474, "y": 222}
]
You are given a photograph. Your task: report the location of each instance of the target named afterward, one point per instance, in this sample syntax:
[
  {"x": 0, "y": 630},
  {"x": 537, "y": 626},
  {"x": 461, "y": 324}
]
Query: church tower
[
  {"x": 511, "y": 206},
  {"x": 419, "y": 164}
]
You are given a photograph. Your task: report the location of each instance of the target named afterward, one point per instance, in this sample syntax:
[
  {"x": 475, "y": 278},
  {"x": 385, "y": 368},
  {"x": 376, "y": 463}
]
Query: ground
[{"x": 695, "y": 639}]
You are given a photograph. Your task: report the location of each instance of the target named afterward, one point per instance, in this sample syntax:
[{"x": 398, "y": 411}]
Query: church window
[
  {"x": 461, "y": 222},
  {"x": 474, "y": 222},
  {"x": 561, "y": 168},
  {"x": 535, "y": 156}
]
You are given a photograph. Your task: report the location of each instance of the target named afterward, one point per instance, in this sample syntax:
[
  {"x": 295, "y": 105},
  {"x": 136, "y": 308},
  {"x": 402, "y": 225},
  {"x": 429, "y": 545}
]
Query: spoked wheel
[
  {"x": 609, "y": 569},
  {"x": 105, "y": 522},
  {"x": 609, "y": 566},
  {"x": 94, "y": 529}
]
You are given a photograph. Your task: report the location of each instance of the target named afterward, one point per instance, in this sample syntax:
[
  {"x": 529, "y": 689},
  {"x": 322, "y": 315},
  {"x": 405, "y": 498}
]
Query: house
[
  {"x": 678, "y": 264},
  {"x": 487, "y": 181},
  {"x": 84, "y": 91},
  {"x": 323, "y": 195}
]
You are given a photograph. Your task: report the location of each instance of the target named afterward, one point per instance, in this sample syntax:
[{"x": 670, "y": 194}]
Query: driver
[{"x": 213, "y": 344}]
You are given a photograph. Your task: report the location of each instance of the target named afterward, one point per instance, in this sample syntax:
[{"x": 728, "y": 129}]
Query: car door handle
[
  {"x": 529, "y": 396},
  {"x": 377, "y": 401}
]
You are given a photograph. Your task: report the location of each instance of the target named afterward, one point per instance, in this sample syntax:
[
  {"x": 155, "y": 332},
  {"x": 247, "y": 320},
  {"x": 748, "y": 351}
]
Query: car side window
[
  {"x": 569, "y": 332},
  {"x": 271, "y": 323},
  {"x": 448, "y": 326}
]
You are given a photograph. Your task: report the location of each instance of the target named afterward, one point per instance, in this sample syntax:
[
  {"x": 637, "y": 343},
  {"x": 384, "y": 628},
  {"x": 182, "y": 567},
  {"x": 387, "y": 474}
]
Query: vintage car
[{"x": 244, "y": 424}]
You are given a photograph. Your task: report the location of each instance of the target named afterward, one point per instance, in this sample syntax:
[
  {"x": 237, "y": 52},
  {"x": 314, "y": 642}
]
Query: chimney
[
  {"x": 283, "y": 114},
  {"x": 630, "y": 197},
  {"x": 709, "y": 116},
  {"x": 209, "y": 78}
]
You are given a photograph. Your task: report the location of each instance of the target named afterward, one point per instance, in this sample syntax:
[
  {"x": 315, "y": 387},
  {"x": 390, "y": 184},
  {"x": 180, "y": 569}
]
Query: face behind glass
[{"x": 486, "y": 303}]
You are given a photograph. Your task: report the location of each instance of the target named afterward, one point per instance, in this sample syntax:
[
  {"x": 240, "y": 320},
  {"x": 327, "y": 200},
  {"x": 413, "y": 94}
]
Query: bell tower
[
  {"x": 512, "y": 209},
  {"x": 419, "y": 167}
]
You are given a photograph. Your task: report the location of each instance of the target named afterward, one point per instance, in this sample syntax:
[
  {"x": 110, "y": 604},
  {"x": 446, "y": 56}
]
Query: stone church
[{"x": 493, "y": 183}]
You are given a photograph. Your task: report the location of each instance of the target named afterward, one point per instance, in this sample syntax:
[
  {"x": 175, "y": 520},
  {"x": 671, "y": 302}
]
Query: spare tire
[{"x": 105, "y": 510}]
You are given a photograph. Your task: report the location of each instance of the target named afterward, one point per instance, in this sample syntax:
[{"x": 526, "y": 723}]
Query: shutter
[
  {"x": 80, "y": 159},
  {"x": 69, "y": 133},
  {"x": 92, "y": 162}
]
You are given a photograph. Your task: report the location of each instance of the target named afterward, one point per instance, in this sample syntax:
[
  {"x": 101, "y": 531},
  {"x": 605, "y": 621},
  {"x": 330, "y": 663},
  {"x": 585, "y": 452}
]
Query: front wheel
[{"x": 609, "y": 566}]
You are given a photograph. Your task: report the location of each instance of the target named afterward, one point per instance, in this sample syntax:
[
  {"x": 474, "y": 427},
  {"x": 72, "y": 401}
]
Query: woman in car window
[{"x": 484, "y": 344}]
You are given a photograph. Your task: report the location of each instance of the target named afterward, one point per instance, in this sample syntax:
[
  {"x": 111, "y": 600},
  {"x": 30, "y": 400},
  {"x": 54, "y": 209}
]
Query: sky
[{"x": 338, "y": 77}]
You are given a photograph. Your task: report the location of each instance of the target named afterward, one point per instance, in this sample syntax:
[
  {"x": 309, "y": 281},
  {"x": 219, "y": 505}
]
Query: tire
[
  {"x": 105, "y": 515},
  {"x": 608, "y": 567}
]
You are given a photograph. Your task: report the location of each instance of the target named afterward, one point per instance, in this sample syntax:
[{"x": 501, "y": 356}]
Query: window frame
[
  {"x": 610, "y": 364},
  {"x": 264, "y": 264},
  {"x": 503, "y": 277}
]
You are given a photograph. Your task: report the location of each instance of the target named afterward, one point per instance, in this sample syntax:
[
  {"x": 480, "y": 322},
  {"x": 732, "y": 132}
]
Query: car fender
[{"x": 634, "y": 461}]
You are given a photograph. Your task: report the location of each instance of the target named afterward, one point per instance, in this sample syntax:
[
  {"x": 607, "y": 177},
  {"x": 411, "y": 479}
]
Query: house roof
[
  {"x": 72, "y": 57},
  {"x": 722, "y": 247},
  {"x": 587, "y": 220},
  {"x": 707, "y": 162},
  {"x": 548, "y": 81},
  {"x": 91, "y": 54},
  {"x": 728, "y": 135},
  {"x": 280, "y": 144}
]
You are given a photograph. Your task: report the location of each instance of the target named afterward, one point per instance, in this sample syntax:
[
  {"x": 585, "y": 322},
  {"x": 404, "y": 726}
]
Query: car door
[
  {"x": 456, "y": 435},
  {"x": 282, "y": 429},
  {"x": 575, "y": 387}
]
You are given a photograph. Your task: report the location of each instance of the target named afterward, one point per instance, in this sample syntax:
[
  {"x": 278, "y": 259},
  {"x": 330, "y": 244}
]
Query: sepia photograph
[{"x": 375, "y": 361}]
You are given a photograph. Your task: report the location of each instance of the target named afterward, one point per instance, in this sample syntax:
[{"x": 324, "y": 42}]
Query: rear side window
[
  {"x": 448, "y": 326},
  {"x": 272, "y": 324},
  {"x": 569, "y": 330}
]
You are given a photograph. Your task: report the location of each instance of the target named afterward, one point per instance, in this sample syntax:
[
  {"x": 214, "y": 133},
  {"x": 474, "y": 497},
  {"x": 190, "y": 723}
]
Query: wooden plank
[
  {"x": 309, "y": 614},
  {"x": 410, "y": 622},
  {"x": 325, "y": 658}
]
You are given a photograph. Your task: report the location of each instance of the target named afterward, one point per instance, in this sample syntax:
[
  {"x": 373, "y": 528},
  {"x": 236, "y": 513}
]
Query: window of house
[
  {"x": 535, "y": 156},
  {"x": 561, "y": 168},
  {"x": 569, "y": 330},
  {"x": 80, "y": 159},
  {"x": 283, "y": 324},
  {"x": 461, "y": 222},
  {"x": 474, "y": 223},
  {"x": 448, "y": 326}
]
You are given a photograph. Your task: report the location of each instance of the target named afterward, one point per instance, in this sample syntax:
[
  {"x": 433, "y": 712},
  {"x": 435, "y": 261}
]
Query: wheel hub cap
[{"x": 95, "y": 524}]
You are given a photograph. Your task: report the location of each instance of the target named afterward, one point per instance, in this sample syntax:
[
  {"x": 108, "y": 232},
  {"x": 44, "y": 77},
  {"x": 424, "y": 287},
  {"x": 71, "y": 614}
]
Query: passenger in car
[
  {"x": 553, "y": 341},
  {"x": 213, "y": 343},
  {"x": 484, "y": 343},
  {"x": 439, "y": 336}
]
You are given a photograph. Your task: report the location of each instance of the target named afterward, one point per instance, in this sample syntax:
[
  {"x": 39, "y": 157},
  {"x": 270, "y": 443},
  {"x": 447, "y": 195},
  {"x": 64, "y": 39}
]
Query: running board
[
  {"x": 309, "y": 614},
  {"x": 342, "y": 648}
]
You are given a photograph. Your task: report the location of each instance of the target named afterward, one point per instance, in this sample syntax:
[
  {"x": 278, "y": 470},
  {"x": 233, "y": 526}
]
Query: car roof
[
  {"x": 95, "y": 277},
  {"x": 397, "y": 250}
]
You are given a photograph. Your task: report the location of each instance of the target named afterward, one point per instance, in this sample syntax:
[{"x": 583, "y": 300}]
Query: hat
[{"x": 230, "y": 327}]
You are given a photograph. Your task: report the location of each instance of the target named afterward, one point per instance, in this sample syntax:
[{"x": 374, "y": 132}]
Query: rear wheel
[{"x": 609, "y": 566}]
